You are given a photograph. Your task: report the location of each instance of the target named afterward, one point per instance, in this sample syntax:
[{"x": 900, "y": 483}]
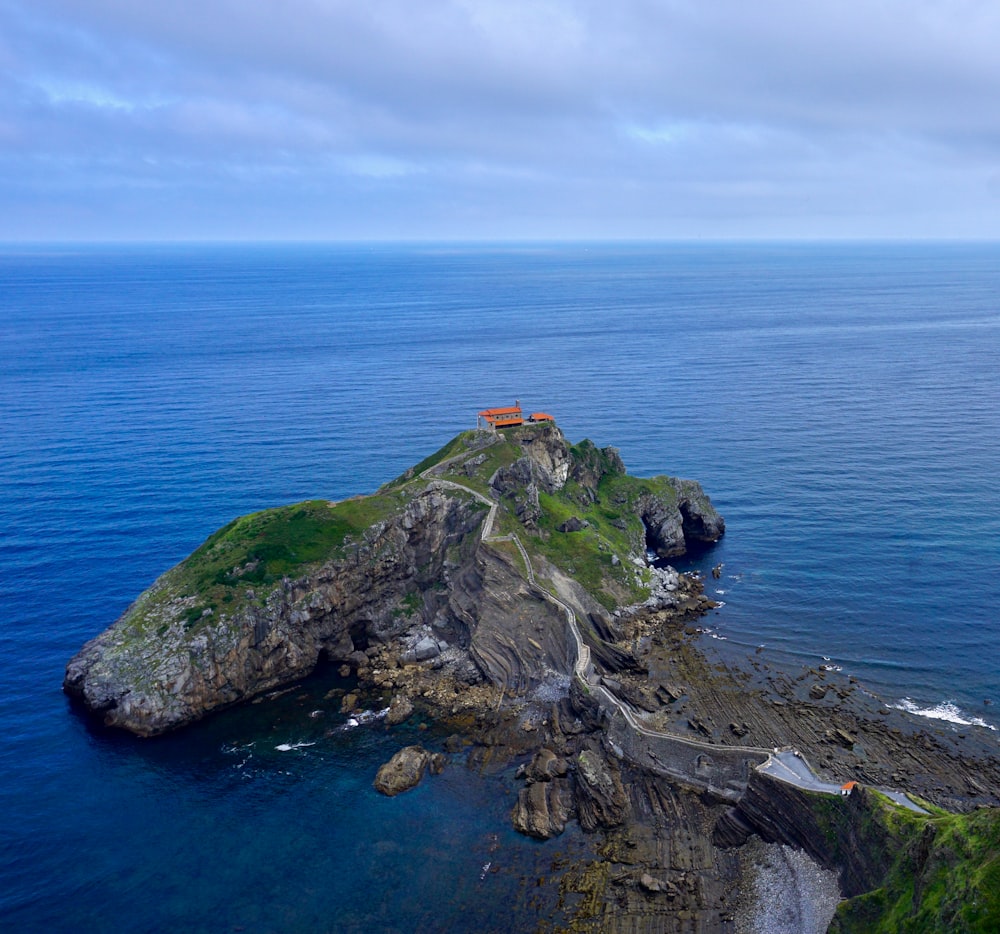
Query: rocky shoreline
[
  {"x": 673, "y": 856},
  {"x": 502, "y": 590}
]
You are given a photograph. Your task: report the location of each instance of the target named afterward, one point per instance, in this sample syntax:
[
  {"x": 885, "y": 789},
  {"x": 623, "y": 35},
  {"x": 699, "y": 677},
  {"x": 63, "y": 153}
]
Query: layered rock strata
[{"x": 411, "y": 568}]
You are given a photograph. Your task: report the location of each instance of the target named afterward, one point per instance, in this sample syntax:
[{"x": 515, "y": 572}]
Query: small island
[{"x": 516, "y": 589}]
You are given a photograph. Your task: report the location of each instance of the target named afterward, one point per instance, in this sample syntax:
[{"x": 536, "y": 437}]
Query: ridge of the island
[{"x": 514, "y": 588}]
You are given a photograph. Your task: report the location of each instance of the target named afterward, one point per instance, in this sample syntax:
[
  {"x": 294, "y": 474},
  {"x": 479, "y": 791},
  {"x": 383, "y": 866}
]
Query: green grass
[
  {"x": 945, "y": 876},
  {"x": 614, "y": 529},
  {"x": 457, "y": 444},
  {"x": 244, "y": 560},
  {"x": 497, "y": 455},
  {"x": 256, "y": 551},
  {"x": 264, "y": 547},
  {"x": 511, "y": 551}
]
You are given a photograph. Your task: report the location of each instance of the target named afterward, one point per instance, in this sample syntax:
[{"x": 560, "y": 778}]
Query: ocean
[{"x": 840, "y": 403}]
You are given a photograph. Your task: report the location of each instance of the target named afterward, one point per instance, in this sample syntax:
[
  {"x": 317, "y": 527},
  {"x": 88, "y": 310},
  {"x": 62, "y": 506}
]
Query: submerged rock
[{"x": 405, "y": 770}]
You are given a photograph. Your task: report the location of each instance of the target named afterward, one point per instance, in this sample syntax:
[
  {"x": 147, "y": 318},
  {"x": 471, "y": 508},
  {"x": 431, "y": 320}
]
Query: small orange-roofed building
[
  {"x": 506, "y": 417},
  {"x": 510, "y": 417},
  {"x": 847, "y": 788}
]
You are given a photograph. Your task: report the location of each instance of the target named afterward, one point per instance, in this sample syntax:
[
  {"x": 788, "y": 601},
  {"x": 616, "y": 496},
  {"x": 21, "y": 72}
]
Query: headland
[{"x": 515, "y": 588}]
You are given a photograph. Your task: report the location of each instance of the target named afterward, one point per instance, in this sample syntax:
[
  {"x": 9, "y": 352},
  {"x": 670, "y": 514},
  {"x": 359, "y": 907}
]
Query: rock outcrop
[
  {"x": 673, "y": 523},
  {"x": 601, "y": 797},
  {"x": 153, "y": 671},
  {"x": 406, "y": 769},
  {"x": 268, "y": 597},
  {"x": 400, "y": 710}
]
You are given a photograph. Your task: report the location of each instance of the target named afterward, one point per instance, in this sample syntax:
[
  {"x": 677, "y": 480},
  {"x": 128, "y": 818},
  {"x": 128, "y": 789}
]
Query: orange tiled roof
[{"x": 509, "y": 410}]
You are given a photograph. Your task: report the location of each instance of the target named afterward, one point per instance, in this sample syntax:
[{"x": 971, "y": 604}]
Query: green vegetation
[
  {"x": 614, "y": 530},
  {"x": 265, "y": 546},
  {"x": 457, "y": 445},
  {"x": 598, "y": 493},
  {"x": 242, "y": 562},
  {"x": 475, "y": 471},
  {"x": 409, "y": 605},
  {"x": 509, "y": 549},
  {"x": 944, "y": 875},
  {"x": 257, "y": 551}
]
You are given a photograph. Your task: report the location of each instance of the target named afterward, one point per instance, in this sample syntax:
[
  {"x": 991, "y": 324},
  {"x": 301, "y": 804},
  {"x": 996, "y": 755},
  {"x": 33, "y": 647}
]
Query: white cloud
[{"x": 562, "y": 114}]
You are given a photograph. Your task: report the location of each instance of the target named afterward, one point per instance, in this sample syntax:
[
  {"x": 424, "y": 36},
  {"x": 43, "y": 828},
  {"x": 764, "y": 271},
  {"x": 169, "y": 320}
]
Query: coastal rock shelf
[{"x": 503, "y": 588}]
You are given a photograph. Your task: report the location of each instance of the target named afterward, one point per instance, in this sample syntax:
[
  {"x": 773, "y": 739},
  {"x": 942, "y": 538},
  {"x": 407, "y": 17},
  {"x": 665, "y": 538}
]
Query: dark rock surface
[
  {"x": 400, "y": 710},
  {"x": 403, "y": 771},
  {"x": 671, "y": 526}
]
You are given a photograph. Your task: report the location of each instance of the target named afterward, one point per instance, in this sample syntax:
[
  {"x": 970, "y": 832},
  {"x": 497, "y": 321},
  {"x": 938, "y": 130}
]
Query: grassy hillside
[
  {"x": 945, "y": 876},
  {"x": 245, "y": 558}
]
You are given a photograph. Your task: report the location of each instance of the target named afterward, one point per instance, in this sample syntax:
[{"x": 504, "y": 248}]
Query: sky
[{"x": 499, "y": 119}]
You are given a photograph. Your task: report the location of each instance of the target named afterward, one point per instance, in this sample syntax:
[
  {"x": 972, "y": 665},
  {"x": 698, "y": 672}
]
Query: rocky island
[{"x": 514, "y": 587}]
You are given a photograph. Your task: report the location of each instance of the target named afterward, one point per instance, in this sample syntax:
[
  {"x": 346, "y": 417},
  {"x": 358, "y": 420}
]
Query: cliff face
[
  {"x": 156, "y": 669},
  {"x": 899, "y": 871},
  {"x": 408, "y": 568},
  {"x": 838, "y": 832}
]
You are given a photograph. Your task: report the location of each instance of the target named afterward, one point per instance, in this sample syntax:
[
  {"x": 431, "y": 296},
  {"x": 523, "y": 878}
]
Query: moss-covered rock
[{"x": 944, "y": 876}]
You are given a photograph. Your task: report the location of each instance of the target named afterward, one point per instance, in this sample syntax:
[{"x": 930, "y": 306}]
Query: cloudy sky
[{"x": 499, "y": 119}]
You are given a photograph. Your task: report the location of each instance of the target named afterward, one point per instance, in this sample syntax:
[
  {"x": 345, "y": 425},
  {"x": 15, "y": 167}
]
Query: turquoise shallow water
[{"x": 841, "y": 404}]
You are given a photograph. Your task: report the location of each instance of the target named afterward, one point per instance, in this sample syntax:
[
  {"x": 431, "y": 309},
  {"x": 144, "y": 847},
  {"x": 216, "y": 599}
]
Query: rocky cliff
[
  {"x": 410, "y": 573},
  {"x": 503, "y": 586}
]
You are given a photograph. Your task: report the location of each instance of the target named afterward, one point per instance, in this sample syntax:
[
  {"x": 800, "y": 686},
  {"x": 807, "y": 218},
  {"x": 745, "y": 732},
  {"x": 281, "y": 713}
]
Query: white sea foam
[
  {"x": 236, "y": 749},
  {"x": 947, "y": 710},
  {"x": 365, "y": 716},
  {"x": 288, "y": 747}
]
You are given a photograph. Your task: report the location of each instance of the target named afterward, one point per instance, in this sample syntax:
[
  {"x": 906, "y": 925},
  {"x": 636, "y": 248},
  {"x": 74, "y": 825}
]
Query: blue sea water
[{"x": 840, "y": 403}]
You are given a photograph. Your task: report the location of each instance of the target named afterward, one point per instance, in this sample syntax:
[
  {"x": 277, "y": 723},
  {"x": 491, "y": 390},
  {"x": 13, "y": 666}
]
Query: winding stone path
[{"x": 786, "y": 765}]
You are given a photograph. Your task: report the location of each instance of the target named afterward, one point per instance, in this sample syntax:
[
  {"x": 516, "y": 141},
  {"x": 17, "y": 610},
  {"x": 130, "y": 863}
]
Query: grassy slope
[
  {"x": 945, "y": 876},
  {"x": 242, "y": 561},
  {"x": 255, "y": 551},
  {"x": 613, "y": 528}
]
